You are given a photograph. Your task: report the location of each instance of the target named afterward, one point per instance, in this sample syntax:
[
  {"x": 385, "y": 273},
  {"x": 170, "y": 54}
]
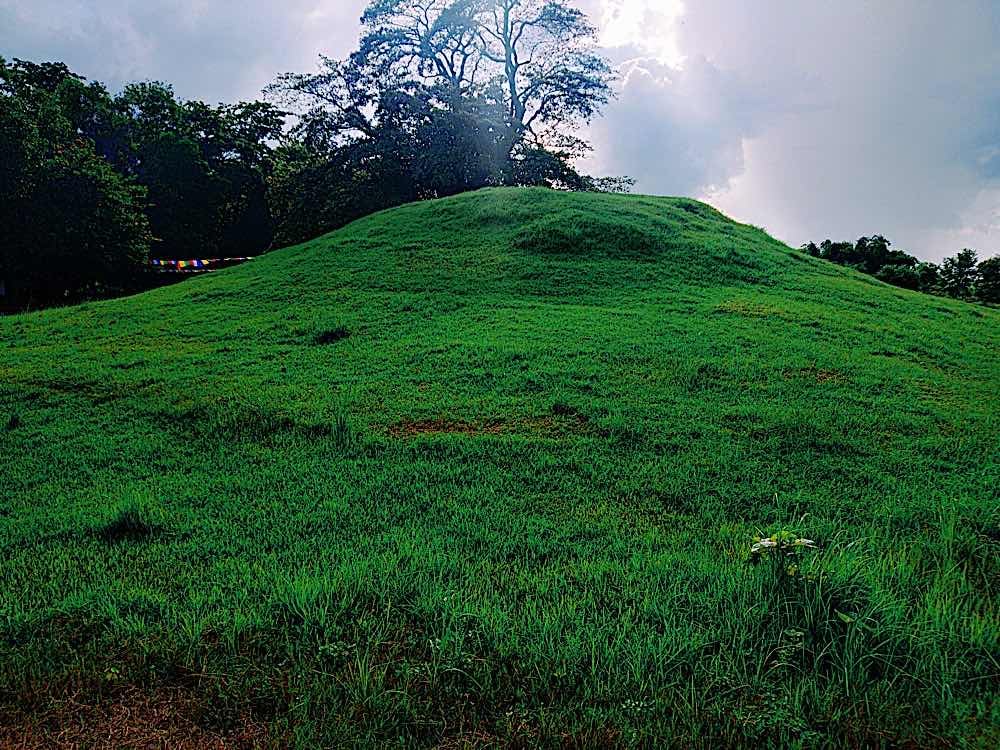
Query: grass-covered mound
[{"x": 488, "y": 470}]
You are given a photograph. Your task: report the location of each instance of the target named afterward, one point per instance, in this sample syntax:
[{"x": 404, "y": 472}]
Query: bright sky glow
[{"x": 648, "y": 25}]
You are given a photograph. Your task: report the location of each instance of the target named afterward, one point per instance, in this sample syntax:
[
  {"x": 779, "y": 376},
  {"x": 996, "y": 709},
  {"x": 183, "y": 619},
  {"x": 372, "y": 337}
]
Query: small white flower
[{"x": 763, "y": 544}]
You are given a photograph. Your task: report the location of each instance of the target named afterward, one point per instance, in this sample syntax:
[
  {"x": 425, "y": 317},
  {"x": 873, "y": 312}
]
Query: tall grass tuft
[{"x": 135, "y": 518}]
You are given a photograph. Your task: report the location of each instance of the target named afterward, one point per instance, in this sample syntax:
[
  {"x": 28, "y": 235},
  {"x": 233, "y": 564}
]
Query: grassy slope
[{"x": 516, "y": 502}]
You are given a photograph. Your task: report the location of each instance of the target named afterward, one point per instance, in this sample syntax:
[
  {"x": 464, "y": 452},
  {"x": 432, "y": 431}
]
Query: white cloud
[
  {"x": 648, "y": 25},
  {"x": 216, "y": 50},
  {"x": 815, "y": 120}
]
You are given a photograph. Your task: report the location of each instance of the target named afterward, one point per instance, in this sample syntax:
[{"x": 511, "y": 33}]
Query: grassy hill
[{"x": 488, "y": 470}]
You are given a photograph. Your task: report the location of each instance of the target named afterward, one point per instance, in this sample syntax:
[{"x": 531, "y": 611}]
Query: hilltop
[{"x": 489, "y": 469}]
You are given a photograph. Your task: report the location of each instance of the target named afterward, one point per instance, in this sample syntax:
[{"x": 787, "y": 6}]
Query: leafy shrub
[{"x": 782, "y": 549}]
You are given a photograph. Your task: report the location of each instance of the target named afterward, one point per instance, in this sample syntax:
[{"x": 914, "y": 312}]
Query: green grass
[{"x": 487, "y": 470}]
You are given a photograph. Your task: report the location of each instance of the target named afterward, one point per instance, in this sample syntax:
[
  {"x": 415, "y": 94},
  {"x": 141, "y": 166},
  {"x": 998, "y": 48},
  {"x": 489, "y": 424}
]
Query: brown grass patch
[
  {"x": 131, "y": 718},
  {"x": 818, "y": 374},
  {"x": 441, "y": 426},
  {"x": 752, "y": 309},
  {"x": 562, "y": 421}
]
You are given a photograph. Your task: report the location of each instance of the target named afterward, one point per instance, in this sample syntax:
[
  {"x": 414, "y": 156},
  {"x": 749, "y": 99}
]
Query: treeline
[
  {"x": 962, "y": 276},
  {"x": 439, "y": 98},
  {"x": 94, "y": 184}
]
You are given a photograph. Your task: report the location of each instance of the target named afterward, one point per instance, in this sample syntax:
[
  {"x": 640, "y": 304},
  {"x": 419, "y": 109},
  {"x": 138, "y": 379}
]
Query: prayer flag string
[{"x": 195, "y": 263}]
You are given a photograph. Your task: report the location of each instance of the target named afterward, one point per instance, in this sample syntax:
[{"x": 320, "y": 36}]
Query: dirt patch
[
  {"x": 752, "y": 309},
  {"x": 132, "y": 718},
  {"x": 818, "y": 374},
  {"x": 441, "y": 426},
  {"x": 564, "y": 420}
]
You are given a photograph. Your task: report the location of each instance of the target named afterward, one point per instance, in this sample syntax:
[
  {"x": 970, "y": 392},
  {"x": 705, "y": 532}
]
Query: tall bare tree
[{"x": 534, "y": 57}]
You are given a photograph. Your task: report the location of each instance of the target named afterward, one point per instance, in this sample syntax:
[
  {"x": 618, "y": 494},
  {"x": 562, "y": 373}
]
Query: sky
[{"x": 811, "y": 119}]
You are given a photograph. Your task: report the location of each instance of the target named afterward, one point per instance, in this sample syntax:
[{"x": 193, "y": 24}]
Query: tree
[
  {"x": 929, "y": 277},
  {"x": 959, "y": 274},
  {"x": 842, "y": 253},
  {"x": 198, "y": 173},
  {"x": 532, "y": 57},
  {"x": 442, "y": 96},
  {"x": 436, "y": 40},
  {"x": 205, "y": 168},
  {"x": 988, "y": 286},
  {"x": 524, "y": 70},
  {"x": 872, "y": 255},
  {"x": 411, "y": 147},
  {"x": 55, "y": 248},
  {"x": 904, "y": 276}
]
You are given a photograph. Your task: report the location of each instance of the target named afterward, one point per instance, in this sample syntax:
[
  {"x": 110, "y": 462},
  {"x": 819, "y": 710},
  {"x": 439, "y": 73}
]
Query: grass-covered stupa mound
[{"x": 489, "y": 470}]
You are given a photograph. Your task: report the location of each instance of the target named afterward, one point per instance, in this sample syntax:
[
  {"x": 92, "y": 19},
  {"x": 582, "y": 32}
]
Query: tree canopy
[
  {"x": 95, "y": 183},
  {"x": 961, "y": 276},
  {"x": 72, "y": 224},
  {"x": 440, "y": 97}
]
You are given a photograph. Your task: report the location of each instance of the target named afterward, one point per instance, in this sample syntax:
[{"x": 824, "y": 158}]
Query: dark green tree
[
  {"x": 205, "y": 168},
  {"x": 73, "y": 226},
  {"x": 398, "y": 146},
  {"x": 533, "y": 58},
  {"x": 959, "y": 274},
  {"x": 442, "y": 96},
  {"x": 904, "y": 276},
  {"x": 874, "y": 256},
  {"x": 988, "y": 285},
  {"x": 929, "y": 276}
]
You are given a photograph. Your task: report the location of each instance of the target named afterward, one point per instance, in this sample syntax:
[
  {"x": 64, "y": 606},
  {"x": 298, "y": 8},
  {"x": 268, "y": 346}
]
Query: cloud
[
  {"x": 821, "y": 120},
  {"x": 626, "y": 23},
  {"x": 676, "y": 130},
  {"x": 215, "y": 50}
]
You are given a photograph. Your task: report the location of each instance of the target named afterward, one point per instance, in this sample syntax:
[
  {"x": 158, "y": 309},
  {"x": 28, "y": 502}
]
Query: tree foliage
[
  {"x": 961, "y": 276},
  {"x": 93, "y": 183},
  {"x": 440, "y": 97},
  {"x": 73, "y": 226},
  {"x": 988, "y": 285},
  {"x": 534, "y": 58}
]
